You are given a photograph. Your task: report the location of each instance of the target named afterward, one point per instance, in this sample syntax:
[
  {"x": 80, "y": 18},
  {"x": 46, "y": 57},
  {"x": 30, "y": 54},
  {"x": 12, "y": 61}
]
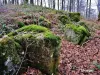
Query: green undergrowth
[{"x": 20, "y": 24}]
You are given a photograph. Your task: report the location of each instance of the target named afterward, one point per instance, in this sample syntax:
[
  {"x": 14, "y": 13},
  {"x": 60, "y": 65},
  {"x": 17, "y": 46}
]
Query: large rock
[
  {"x": 8, "y": 54},
  {"x": 41, "y": 45},
  {"x": 76, "y": 33}
]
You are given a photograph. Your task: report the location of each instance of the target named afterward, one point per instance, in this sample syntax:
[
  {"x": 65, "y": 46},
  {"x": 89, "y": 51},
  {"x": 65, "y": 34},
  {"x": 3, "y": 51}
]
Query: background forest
[{"x": 88, "y": 8}]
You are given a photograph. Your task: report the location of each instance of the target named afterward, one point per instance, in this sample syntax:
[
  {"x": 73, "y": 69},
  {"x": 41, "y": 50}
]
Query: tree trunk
[
  {"x": 32, "y": 2},
  {"x": 58, "y": 4},
  {"x": 98, "y": 6},
  {"x": 78, "y": 6},
  {"x": 12, "y": 1},
  {"x": 62, "y": 5},
  {"x": 41, "y": 2},
  {"x": 49, "y": 4},
  {"x": 89, "y": 9},
  {"x": 70, "y": 5},
  {"x": 53, "y": 4},
  {"x": 99, "y": 16}
]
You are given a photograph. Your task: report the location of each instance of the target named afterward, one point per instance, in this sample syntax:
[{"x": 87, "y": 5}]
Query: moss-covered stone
[
  {"x": 84, "y": 24},
  {"x": 74, "y": 16},
  {"x": 44, "y": 22},
  {"x": 76, "y": 33},
  {"x": 42, "y": 47},
  {"x": 64, "y": 19},
  {"x": 8, "y": 49}
]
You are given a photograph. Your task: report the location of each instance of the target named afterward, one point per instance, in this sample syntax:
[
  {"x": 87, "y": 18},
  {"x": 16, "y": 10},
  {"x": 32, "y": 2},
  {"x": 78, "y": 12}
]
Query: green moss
[
  {"x": 84, "y": 24},
  {"x": 20, "y": 24},
  {"x": 41, "y": 18},
  {"x": 74, "y": 17},
  {"x": 32, "y": 28},
  {"x": 80, "y": 31},
  {"x": 44, "y": 22},
  {"x": 78, "y": 28},
  {"x": 83, "y": 30},
  {"x": 36, "y": 29},
  {"x": 45, "y": 44},
  {"x": 64, "y": 19},
  {"x": 55, "y": 39},
  {"x": 9, "y": 48}
]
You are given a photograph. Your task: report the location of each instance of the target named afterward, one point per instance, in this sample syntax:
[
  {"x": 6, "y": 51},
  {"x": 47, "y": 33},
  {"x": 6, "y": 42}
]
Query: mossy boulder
[
  {"x": 64, "y": 19},
  {"x": 76, "y": 33},
  {"x": 75, "y": 17},
  {"x": 8, "y": 53},
  {"x": 41, "y": 45},
  {"x": 44, "y": 22}
]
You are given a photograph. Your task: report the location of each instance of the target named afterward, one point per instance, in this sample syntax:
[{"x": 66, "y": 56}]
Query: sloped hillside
[{"x": 78, "y": 53}]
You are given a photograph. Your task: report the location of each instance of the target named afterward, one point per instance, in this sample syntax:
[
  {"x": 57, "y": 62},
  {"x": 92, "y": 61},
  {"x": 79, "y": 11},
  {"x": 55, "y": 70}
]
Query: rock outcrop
[{"x": 38, "y": 43}]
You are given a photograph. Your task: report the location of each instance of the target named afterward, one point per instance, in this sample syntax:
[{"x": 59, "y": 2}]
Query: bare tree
[
  {"x": 4, "y": 1},
  {"x": 70, "y": 5},
  {"x": 53, "y": 4},
  {"x": 32, "y": 2},
  {"x": 78, "y": 8},
  {"x": 41, "y": 3},
  {"x": 58, "y": 4},
  {"x": 89, "y": 8},
  {"x": 48, "y": 4},
  {"x": 62, "y": 7},
  {"x": 98, "y": 10}
]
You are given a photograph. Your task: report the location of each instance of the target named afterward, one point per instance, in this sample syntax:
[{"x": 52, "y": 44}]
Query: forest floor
[{"x": 74, "y": 59}]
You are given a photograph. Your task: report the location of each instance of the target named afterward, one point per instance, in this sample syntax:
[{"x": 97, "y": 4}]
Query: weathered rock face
[
  {"x": 76, "y": 33},
  {"x": 41, "y": 45}
]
